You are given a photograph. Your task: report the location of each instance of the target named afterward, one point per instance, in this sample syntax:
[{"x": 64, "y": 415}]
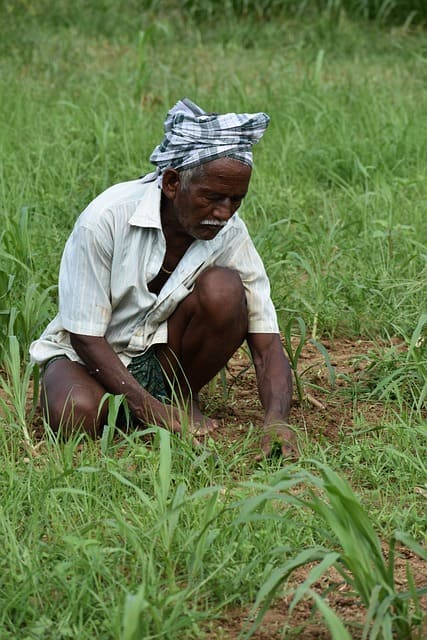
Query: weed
[
  {"x": 359, "y": 558},
  {"x": 16, "y": 388},
  {"x": 399, "y": 373}
]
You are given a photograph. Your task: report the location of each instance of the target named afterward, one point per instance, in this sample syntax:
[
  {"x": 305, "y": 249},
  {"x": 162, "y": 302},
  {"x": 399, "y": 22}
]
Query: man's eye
[{"x": 235, "y": 200}]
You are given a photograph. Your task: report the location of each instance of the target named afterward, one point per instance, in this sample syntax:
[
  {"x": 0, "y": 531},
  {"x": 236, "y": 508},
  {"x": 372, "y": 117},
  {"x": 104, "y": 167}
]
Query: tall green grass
[
  {"x": 337, "y": 201},
  {"x": 124, "y": 539},
  {"x": 148, "y": 541},
  {"x": 353, "y": 549},
  {"x": 102, "y": 16}
]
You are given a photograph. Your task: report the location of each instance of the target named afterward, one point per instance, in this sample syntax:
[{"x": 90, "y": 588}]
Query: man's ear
[{"x": 170, "y": 183}]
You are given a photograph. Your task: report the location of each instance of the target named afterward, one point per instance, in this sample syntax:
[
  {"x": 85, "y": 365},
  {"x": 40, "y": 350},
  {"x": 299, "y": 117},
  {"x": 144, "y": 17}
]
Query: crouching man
[{"x": 159, "y": 285}]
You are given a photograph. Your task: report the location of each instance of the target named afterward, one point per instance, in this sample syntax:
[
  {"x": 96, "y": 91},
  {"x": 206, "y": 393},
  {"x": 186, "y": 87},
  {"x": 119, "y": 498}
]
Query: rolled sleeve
[
  {"x": 244, "y": 258},
  {"x": 261, "y": 312},
  {"x": 84, "y": 282}
]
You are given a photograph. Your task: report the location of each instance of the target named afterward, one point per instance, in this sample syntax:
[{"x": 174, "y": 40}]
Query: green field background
[
  {"x": 337, "y": 204},
  {"x": 115, "y": 539}
]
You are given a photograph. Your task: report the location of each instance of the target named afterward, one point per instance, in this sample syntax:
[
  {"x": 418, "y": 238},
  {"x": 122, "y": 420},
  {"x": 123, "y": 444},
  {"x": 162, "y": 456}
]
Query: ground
[
  {"x": 302, "y": 623},
  {"x": 326, "y": 413}
]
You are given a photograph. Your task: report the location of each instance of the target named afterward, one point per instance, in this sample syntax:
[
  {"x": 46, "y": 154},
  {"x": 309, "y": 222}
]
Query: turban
[{"x": 193, "y": 136}]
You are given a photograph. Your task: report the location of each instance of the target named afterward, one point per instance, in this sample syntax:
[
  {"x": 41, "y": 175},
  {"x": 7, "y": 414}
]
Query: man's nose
[{"x": 224, "y": 209}]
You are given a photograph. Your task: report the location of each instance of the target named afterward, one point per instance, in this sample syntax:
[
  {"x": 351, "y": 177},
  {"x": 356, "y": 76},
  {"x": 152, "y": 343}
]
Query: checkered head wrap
[{"x": 193, "y": 136}]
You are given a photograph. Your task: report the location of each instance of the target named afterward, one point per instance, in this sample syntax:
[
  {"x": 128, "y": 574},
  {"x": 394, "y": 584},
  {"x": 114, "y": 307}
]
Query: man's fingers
[
  {"x": 204, "y": 427},
  {"x": 286, "y": 442},
  {"x": 289, "y": 445},
  {"x": 265, "y": 448},
  {"x": 290, "y": 450}
]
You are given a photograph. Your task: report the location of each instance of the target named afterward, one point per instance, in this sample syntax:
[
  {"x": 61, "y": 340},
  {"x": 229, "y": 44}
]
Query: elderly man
[{"x": 160, "y": 284}]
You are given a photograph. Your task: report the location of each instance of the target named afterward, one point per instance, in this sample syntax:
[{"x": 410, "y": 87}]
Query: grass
[
  {"x": 359, "y": 558},
  {"x": 124, "y": 539}
]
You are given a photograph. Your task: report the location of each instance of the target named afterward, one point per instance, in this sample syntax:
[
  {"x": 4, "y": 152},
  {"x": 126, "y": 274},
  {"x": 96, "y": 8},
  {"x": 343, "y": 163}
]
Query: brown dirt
[
  {"x": 326, "y": 413},
  {"x": 304, "y": 622}
]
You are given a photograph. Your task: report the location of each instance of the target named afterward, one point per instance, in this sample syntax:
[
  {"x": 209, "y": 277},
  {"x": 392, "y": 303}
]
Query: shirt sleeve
[
  {"x": 244, "y": 258},
  {"x": 84, "y": 281}
]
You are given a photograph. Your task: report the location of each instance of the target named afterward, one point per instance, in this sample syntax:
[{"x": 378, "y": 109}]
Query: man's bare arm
[
  {"x": 107, "y": 368},
  {"x": 274, "y": 379}
]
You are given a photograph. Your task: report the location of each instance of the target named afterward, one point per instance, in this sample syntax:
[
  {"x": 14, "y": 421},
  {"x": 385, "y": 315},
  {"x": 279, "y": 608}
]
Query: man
[{"x": 160, "y": 284}]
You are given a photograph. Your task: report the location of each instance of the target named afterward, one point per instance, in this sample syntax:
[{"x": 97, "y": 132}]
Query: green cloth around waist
[{"x": 147, "y": 370}]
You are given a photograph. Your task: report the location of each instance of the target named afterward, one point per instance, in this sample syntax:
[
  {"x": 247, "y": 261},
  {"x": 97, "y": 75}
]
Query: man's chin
[{"x": 207, "y": 232}]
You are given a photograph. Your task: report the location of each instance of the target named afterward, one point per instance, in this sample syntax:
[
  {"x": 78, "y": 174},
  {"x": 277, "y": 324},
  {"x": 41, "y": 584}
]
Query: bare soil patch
[
  {"x": 304, "y": 622},
  {"x": 326, "y": 412}
]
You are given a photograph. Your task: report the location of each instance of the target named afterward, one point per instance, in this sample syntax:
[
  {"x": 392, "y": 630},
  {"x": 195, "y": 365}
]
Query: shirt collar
[{"x": 147, "y": 213}]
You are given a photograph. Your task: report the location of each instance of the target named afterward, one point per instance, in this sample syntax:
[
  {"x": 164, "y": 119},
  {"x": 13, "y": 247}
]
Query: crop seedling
[
  {"x": 295, "y": 353},
  {"x": 358, "y": 557}
]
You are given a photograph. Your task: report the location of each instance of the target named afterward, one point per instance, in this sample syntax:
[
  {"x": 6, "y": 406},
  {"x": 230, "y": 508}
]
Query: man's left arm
[{"x": 274, "y": 379}]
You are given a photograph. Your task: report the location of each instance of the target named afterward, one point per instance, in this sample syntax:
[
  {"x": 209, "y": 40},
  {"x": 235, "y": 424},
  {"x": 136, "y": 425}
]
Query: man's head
[
  {"x": 201, "y": 201},
  {"x": 205, "y": 160}
]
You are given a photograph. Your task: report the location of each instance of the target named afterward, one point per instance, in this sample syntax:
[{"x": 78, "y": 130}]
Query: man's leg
[
  {"x": 205, "y": 330},
  {"x": 70, "y": 398}
]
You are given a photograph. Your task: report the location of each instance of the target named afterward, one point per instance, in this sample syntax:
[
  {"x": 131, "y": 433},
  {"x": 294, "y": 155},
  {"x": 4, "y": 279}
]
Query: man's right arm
[
  {"x": 107, "y": 368},
  {"x": 84, "y": 296}
]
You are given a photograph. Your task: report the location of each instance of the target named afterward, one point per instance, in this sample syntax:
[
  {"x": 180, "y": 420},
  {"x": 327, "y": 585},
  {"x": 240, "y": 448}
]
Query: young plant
[
  {"x": 16, "y": 387},
  {"x": 355, "y": 552},
  {"x": 401, "y": 376},
  {"x": 295, "y": 353}
]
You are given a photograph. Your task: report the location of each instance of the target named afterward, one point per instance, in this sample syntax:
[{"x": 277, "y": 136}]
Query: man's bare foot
[{"x": 201, "y": 424}]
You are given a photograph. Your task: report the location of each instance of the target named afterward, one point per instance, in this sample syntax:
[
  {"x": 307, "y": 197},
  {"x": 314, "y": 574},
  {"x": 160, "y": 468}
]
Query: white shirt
[{"x": 116, "y": 248}]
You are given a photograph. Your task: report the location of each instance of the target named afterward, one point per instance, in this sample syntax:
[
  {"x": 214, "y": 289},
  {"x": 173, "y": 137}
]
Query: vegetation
[{"x": 128, "y": 539}]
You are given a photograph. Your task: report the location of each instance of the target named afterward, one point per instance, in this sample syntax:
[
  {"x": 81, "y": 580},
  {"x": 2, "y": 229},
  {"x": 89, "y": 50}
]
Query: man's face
[{"x": 208, "y": 203}]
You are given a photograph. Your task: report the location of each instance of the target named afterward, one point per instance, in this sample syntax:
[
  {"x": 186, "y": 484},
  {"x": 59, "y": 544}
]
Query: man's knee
[
  {"x": 221, "y": 297},
  {"x": 77, "y": 410},
  {"x": 70, "y": 399}
]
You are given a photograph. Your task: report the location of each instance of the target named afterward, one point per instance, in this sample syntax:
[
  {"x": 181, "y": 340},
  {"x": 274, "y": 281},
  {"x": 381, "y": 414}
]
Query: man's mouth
[{"x": 213, "y": 223}]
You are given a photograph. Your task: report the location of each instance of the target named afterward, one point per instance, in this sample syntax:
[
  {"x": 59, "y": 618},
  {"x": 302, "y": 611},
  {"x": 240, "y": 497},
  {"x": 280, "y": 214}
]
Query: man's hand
[
  {"x": 278, "y": 435},
  {"x": 275, "y": 390},
  {"x": 186, "y": 418}
]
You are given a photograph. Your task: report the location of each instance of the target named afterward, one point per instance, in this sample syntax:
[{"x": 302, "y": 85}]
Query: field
[{"x": 138, "y": 535}]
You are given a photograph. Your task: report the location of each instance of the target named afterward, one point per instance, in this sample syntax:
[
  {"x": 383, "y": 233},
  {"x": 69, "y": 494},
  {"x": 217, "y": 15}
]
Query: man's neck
[{"x": 177, "y": 240}]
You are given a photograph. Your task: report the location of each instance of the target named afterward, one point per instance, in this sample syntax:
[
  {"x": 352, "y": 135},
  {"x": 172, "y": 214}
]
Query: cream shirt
[{"x": 116, "y": 248}]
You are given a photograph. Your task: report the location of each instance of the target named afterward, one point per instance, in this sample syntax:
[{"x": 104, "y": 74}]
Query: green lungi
[{"x": 147, "y": 370}]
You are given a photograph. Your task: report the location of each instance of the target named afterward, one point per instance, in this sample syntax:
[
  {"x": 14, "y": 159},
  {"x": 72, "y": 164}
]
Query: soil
[
  {"x": 304, "y": 622},
  {"x": 327, "y": 411}
]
